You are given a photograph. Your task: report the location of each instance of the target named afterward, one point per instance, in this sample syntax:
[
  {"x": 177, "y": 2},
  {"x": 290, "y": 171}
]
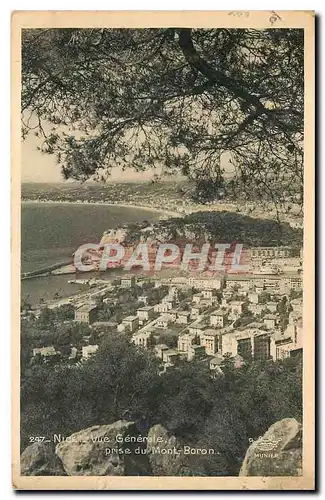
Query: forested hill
[{"x": 221, "y": 227}]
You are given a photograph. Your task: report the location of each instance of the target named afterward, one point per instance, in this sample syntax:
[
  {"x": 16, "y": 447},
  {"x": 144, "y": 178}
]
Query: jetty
[{"x": 43, "y": 271}]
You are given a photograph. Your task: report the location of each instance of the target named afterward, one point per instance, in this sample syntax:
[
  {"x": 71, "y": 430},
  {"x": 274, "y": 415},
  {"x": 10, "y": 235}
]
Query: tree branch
[
  {"x": 217, "y": 77},
  {"x": 212, "y": 74}
]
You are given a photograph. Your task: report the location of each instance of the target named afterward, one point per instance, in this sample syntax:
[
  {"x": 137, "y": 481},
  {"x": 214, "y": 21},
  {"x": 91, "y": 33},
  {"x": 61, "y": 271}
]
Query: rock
[
  {"x": 165, "y": 453},
  {"x": 277, "y": 453},
  {"x": 39, "y": 459},
  {"x": 96, "y": 452}
]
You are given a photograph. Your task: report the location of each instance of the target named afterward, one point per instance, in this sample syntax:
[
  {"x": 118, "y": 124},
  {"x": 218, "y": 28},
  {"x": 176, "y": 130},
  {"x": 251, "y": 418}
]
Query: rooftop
[
  {"x": 282, "y": 336},
  {"x": 44, "y": 351},
  {"x": 92, "y": 347},
  {"x": 171, "y": 351},
  {"x": 130, "y": 318},
  {"x": 197, "y": 324},
  {"x": 163, "y": 317},
  {"x": 183, "y": 313},
  {"x": 255, "y": 325},
  {"x": 143, "y": 333},
  {"x": 211, "y": 331},
  {"x": 87, "y": 308},
  {"x": 219, "y": 312},
  {"x": 187, "y": 336}
]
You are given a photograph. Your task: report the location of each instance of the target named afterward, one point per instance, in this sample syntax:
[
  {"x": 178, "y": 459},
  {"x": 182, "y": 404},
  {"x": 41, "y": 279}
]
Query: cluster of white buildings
[
  {"x": 237, "y": 316},
  {"x": 211, "y": 324}
]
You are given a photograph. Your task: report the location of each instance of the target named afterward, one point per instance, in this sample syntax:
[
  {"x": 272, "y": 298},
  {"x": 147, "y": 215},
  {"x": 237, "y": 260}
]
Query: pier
[{"x": 45, "y": 270}]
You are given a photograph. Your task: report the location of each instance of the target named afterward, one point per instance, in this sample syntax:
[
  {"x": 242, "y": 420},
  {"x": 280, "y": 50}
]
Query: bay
[{"x": 51, "y": 232}]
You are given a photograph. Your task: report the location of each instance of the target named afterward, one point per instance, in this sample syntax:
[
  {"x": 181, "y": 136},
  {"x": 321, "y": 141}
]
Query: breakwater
[{"x": 44, "y": 270}]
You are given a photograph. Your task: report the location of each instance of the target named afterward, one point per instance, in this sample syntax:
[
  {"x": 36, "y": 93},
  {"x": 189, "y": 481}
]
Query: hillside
[{"x": 212, "y": 227}]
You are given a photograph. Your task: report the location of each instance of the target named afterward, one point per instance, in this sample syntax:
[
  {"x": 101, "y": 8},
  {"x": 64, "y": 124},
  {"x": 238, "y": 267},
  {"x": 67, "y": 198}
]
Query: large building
[
  {"x": 170, "y": 356},
  {"x": 208, "y": 294},
  {"x": 89, "y": 350},
  {"x": 291, "y": 281},
  {"x": 185, "y": 341},
  {"x": 145, "y": 313},
  {"x": 128, "y": 281},
  {"x": 197, "y": 327},
  {"x": 256, "y": 308},
  {"x": 86, "y": 314},
  {"x": 162, "y": 321},
  {"x": 197, "y": 310},
  {"x": 164, "y": 306},
  {"x": 271, "y": 321},
  {"x": 211, "y": 340},
  {"x": 131, "y": 323},
  {"x": 160, "y": 349},
  {"x": 183, "y": 317},
  {"x": 195, "y": 352},
  {"x": 236, "y": 282},
  {"x": 143, "y": 339},
  {"x": 254, "y": 297},
  {"x": 288, "y": 343},
  {"x": 218, "y": 318},
  {"x": 272, "y": 252},
  {"x": 47, "y": 354},
  {"x": 206, "y": 283},
  {"x": 237, "y": 307},
  {"x": 250, "y": 343}
]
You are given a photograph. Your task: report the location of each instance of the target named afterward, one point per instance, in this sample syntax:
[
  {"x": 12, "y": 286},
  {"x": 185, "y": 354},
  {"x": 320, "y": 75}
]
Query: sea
[{"x": 51, "y": 232}]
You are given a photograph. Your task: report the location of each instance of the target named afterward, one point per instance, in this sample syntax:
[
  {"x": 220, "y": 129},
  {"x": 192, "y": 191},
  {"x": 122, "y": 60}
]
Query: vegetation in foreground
[{"x": 221, "y": 413}]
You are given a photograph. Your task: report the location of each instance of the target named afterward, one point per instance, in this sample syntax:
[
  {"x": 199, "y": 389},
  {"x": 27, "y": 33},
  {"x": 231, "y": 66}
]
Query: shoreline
[
  {"x": 122, "y": 205},
  {"x": 64, "y": 272},
  {"x": 294, "y": 222}
]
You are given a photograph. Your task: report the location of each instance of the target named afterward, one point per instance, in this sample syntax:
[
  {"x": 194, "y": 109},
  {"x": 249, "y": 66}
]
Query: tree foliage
[
  {"x": 176, "y": 98},
  {"x": 122, "y": 381},
  {"x": 118, "y": 379}
]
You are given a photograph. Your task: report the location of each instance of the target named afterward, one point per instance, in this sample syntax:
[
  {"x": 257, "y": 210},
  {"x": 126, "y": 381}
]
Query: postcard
[{"x": 163, "y": 250}]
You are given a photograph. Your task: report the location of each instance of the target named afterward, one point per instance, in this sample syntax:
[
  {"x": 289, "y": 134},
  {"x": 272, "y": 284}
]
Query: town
[
  {"x": 176, "y": 195},
  {"x": 233, "y": 317}
]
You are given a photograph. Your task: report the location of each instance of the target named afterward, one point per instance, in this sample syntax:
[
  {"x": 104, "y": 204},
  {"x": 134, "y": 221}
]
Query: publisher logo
[
  {"x": 265, "y": 447},
  {"x": 265, "y": 444}
]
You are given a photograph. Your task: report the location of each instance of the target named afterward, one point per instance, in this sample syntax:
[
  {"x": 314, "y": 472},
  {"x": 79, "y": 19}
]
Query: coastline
[
  {"x": 66, "y": 268},
  {"x": 122, "y": 205},
  {"x": 295, "y": 222}
]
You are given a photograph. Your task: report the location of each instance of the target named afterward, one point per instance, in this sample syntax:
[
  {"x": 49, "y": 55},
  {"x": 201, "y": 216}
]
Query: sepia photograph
[{"x": 163, "y": 251}]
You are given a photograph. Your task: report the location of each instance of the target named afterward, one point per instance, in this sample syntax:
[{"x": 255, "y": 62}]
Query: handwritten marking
[
  {"x": 274, "y": 17},
  {"x": 239, "y": 13}
]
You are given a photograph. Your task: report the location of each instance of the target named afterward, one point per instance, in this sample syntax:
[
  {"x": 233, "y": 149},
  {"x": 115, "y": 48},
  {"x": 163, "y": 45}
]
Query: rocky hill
[
  {"x": 277, "y": 453},
  {"x": 210, "y": 227}
]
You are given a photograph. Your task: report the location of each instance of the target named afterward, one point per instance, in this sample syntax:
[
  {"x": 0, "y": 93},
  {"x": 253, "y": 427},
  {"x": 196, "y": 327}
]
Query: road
[{"x": 75, "y": 299}]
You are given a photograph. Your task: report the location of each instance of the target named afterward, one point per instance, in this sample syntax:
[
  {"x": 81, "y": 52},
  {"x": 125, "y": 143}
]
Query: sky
[{"x": 39, "y": 167}]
